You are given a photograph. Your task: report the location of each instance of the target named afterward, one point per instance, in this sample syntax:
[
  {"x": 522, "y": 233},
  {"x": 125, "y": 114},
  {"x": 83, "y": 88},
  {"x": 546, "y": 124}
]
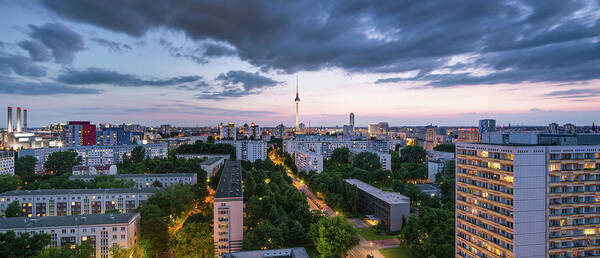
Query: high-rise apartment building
[
  {"x": 7, "y": 163},
  {"x": 228, "y": 210},
  {"x": 80, "y": 133},
  {"x": 227, "y": 131},
  {"x": 528, "y": 195},
  {"x": 487, "y": 125}
]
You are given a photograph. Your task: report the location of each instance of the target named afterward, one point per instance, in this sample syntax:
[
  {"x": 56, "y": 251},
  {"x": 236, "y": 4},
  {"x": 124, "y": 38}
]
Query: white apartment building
[
  {"x": 228, "y": 210},
  {"x": 436, "y": 161},
  {"x": 102, "y": 230},
  {"x": 326, "y": 145},
  {"x": 96, "y": 154},
  {"x": 528, "y": 195},
  {"x": 309, "y": 160},
  {"x": 147, "y": 180},
  {"x": 212, "y": 165},
  {"x": 7, "y": 163},
  {"x": 66, "y": 202},
  {"x": 248, "y": 149},
  {"x": 94, "y": 170}
]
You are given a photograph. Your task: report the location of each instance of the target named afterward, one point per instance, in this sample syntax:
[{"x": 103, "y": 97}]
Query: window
[{"x": 122, "y": 228}]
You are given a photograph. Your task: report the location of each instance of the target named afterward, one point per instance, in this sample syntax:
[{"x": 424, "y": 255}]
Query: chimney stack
[
  {"x": 18, "y": 119},
  {"x": 9, "y": 126},
  {"x": 24, "y": 120}
]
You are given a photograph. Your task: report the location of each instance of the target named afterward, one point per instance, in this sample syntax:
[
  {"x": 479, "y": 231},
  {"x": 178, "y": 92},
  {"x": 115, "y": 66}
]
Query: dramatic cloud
[
  {"x": 218, "y": 50},
  {"x": 237, "y": 84},
  {"x": 37, "y": 51},
  {"x": 62, "y": 41},
  {"x": 20, "y": 65},
  {"x": 101, "y": 76},
  {"x": 10, "y": 86},
  {"x": 377, "y": 37},
  {"x": 111, "y": 45}
]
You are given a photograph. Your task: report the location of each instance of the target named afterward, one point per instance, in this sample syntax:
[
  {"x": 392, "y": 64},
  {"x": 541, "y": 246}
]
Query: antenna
[{"x": 296, "y": 84}]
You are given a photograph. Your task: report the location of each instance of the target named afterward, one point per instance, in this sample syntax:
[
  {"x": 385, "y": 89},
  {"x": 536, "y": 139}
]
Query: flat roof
[
  {"x": 230, "y": 183},
  {"x": 81, "y": 191},
  {"x": 212, "y": 161},
  {"x": 296, "y": 252},
  {"x": 389, "y": 197},
  {"x": 58, "y": 221},
  {"x": 427, "y": 187},
  {"x": 120, "y": 176}
]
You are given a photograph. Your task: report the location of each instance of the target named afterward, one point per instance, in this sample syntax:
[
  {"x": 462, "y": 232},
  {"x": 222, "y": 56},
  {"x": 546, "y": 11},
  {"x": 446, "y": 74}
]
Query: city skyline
[{"x": 524, "y": 63}]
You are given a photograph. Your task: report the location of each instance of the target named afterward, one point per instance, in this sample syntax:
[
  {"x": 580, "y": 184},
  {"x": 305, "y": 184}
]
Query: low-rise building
[
  {"x": 212, "y": 165},
  {"x": 309, "y": 160},
  {"x": 66, "y": 202},
  {"x": 295, "y": 252},
  {"x": 385, "y": 158},
  {"x": 101, "y": 230},
  {"x": 388, "y": 207},
  {"x": 147, "y": 180},
  {"x": 430, "y": 190},
  {"x": 7, "y": 163},
  {"x": 94, "y": 170},
  {"x": 228, "y": 210}
]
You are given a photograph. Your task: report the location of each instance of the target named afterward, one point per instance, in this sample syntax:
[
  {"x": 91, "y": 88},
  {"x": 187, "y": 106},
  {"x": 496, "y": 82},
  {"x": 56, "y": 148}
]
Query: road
[{"x": 364, "y": 247}]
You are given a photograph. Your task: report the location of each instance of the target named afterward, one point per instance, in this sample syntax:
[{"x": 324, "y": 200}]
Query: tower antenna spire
[{"x": 296, "y": 84}]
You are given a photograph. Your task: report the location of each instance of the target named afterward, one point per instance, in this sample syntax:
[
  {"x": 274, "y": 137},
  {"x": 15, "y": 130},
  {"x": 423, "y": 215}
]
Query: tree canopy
[
  {"x": 413, "y": 154},
  {"x": 366, "y": 160},
  {"x": 25, "y": 245},
  {"x": 61, "y": 162},
  {"x": 446, "y": 147},
  {"x": 334, "y": 235}
]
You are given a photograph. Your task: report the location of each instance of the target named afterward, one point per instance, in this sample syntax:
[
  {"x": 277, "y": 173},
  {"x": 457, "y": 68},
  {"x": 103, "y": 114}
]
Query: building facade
[
  {"x": 309, "y": 161},
  {"x": 147, "y": 180},
  {"x": 388, "y": 207},
  {"x": 227, "y": 131},
  {"x": 228, "y": 210},
  {"x": 94, "y": 170},
  {"x": 522, "y": 197},
  {"x": 101, "y": 230},
  {"x": 212, "y": 165},
  {"x": 80, "y": 133},
  {"x": 248, "y": 149},
  {"x": 7, "y": 163},
  {"x": 66, "y": 202}
]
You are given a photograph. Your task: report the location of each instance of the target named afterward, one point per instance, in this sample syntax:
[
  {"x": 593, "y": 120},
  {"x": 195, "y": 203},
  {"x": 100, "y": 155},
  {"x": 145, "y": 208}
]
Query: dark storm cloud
[
  {"x": 10, "y": 86},
  {"x": 375, "y": 36},
  {"x": 218, "y": 50},
  {"x": 112, "y": 45},
  {"x": 63, "y": 42},
  {"x": 37, "y": 51},
  {"x": 20, "y": 65},
  {"x": 235, "y": 84},
  {"x": 101, "y": 76}
]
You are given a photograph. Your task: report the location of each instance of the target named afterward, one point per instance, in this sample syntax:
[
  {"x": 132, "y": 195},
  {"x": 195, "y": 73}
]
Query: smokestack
[
  {"x": 24, "y": 120},
  {"x": 9, "y": 126},
  {"x": 18, "y": 119}
]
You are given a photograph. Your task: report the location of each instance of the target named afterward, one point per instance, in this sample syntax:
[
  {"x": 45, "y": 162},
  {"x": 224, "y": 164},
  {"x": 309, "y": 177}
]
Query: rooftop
[
  {"x": 296, "y": 252},
  {"x": 427, "y": 187},
  {"x": 388, "y": 197},
  {"x": 80, "y": 191},
  {"x": 230, "y": 184},
  {"x": 211, "y": 161},
  {"x": 58, "y": 221},
  {"x": 124, "y": 176}
]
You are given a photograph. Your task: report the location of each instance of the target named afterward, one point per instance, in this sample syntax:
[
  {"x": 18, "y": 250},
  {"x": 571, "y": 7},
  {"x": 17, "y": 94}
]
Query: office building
[
  {"x": 379, "y": 128},
  {"x": 212, "y": 165},
  {"x": 7, "y": 163},
  {"x": 309, "y": 161},
  {"x": 95, "y": 154},
  {"x": 66, "y": 202},
  {"x": 295, "y": 252},
  {"x": 528, "y": 195},
  {"x": 228, "y": 210},
  {"x": 387, "y": 207},
  {"x": 487, "y": 125},
  {"x": 101, "y": 230},
  {"x": 94, "y": 170},
  {"x": 227, "y": 132},
  {"x": 147, "y": 180},
  {"x": 352, "y": 120}
]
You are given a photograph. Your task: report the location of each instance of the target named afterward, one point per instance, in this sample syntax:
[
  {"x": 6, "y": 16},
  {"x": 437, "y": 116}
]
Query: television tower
[{"x": 297, "y": 100}]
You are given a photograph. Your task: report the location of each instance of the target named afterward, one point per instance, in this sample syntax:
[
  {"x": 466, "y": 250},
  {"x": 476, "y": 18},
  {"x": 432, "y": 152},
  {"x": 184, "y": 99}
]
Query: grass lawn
[
  {"x": 399, "y": 252},
  {"x": 370, "y": 234}
]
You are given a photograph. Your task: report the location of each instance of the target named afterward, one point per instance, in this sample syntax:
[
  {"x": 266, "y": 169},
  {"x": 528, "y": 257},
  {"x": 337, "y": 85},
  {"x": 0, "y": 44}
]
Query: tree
[
  {"x": 157, "y": 183},
  {"x": 25, "y": 168},
  {"x": 366, "y": 160},
  {"x": 61, "y": 162},
  {"x": 9, "y": 183},
  {"x": 414, "y": 154},
  {"x": 193, "y": 240},
  {"x": 430, "y": 234},
  {"x": 14, "y": 210},
  {"x": 333, "y": 235},
  {"x": 154, "y": 236},
  {"x": 119, "y": 252},
  {"x": 446, "y": 147},
  {"x": 138, "y": 154},
  {"x": 340, "y": 156},
  {"x": 25, "y": 245}
]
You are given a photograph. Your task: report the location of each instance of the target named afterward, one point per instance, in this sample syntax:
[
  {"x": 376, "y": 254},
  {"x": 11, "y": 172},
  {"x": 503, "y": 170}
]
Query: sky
[{"x": 198, "y": 63}]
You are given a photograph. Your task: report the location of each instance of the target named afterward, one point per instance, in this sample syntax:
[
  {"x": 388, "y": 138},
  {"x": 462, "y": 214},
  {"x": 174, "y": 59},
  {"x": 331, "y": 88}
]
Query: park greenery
[
  {"x": 334, "y": 235},
  {"x": 24, "y": 245},
  {"x": 445, "y": 147}
]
